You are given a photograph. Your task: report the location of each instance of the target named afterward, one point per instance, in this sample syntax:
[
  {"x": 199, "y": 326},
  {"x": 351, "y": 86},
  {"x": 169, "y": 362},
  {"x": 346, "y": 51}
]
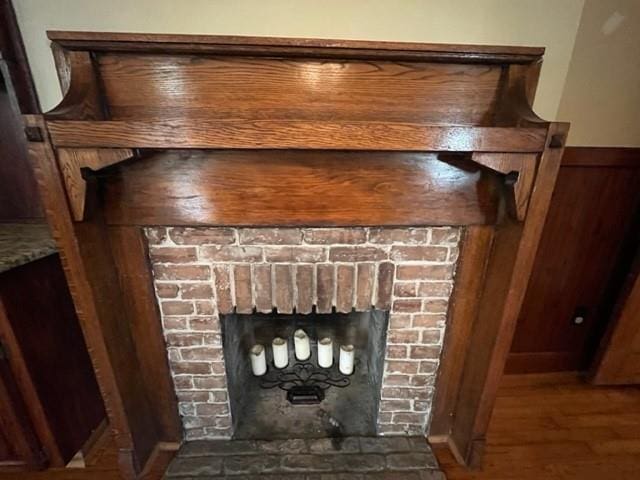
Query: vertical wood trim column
[
  {"x": 89, "y": 265},
  {"x": 508, "y": 270}
]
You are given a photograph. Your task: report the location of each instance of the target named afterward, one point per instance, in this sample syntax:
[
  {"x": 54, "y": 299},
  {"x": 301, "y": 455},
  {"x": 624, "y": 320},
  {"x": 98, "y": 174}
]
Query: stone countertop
[{"x": 23, "y": 243}]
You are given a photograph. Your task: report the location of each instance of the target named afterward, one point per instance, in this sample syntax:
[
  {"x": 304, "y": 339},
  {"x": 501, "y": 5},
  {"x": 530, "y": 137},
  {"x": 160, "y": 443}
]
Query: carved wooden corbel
[
  {"x": 524, "y": 166},
  {"x": 71, "y": 162}
]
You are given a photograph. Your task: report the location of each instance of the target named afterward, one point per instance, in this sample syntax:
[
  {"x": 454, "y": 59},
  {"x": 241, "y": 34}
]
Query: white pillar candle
[
  {"x": 258, "y": 360},
  {"x": 280, "y": 352},
  {"x": 301, "y": 345},
  {"x": 325, "y": 352},
  {"x": 347, "y": 354}
]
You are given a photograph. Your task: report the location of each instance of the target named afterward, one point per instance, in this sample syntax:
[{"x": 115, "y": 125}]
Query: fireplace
[
  {"x": 202, "y": 189},
  {"x": 384, "y": 291}
]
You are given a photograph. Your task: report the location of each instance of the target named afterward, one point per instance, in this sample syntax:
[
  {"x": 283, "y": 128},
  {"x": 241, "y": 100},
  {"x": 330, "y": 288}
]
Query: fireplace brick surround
[{"x": 200, "y": 273}]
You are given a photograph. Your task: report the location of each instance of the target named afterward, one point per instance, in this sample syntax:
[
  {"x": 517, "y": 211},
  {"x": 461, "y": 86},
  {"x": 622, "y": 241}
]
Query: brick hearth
[{"x": 203, "y": 272}]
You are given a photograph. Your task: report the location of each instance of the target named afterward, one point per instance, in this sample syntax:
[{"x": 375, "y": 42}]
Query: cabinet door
[{"x": 19, "y": 447}]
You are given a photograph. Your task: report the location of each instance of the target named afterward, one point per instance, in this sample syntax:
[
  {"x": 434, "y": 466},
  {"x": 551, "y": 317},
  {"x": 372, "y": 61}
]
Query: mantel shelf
[{"x": 293, "y": 134}]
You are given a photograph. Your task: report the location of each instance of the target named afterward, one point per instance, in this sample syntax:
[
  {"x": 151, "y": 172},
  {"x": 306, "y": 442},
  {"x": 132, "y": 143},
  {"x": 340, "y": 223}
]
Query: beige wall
[
  {"x": 549, "y": 23},
  {"x": 601, "y": 97}
]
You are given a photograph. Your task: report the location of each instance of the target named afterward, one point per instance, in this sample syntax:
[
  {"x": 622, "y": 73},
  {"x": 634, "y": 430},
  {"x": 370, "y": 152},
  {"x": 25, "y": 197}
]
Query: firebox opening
[{"x": 303, "y": 399}]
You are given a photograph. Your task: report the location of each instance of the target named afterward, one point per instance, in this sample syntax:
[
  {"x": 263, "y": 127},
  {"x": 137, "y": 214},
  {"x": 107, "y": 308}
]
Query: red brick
[
  {"x": 422, "y": 380},
  {"x": 407, "y": 306},
  {"x": 173, "y": 254},
  {"x": 207, "y": 383},
  {"x": 176, "y": 307},
  {"x": 217, "y": 368},
  {"x": 196, "y": 290},
  {"x": 399, "y": 366},
  {"x": 364, "y": 294},
  {"x": 167, "y": 290},
  {"x": 356, "y": 254},
  {"x": 294, "y": 254},
  {"x": 204, "y": 307},
  {"x": 431, "y": 336},
  {"x": 190, "y": 368},
  {"x": 222, "y": 283},
  {"x": 411, "y": 393},
  {"x": 242, "y": 286},
  {"x": 395, "y": 405},
  {"x": 270, "y": 236},
  {"x": 170, "y": 323},
  {"x": 212, "y": 409},
  {"x": 218, "y": 396},
  {"x": 192, "y": 396},
  {"x": 325, "y": 286},
  {"x": 262, "y": 287},
  {"x": 385, "y": 285},
  {"x": 424, "y": 352},
  {"x": 421, "y": 406},
  {"x": 202, "y": 236},
  {"x": 397, "y": 379},
  {"x": 345, "y": 288},
  {"x": 398, "y": 235},
  {"x": 403, "y": 336},
  {"x": 405, "y": 289},
  {"x": 408, "y": 417},
  {"x": 284, "y": 288},
  {"x": 399, "y": 320},
  {"x": 428, "y": 320},
  {"x": 435, "y": 306},
  {"x": 434, "y": 289},
  {"x": 444, "y": 236},
  {"x": 423, "y": 272},
  {"x": 204, "y": 323},
  {"x": 231, "y": 253},
  {"x": 209, "y": 354},
  {"x": 428, "y": 366},
  {"x": 182, "y": 272},
  {"x": 184, "y": 339},
  {"x": 156, "y": 235},
  {"x": 419, "y": 253},
  {"x": 329, "y": 236},
  {"x": 304, "y": 286},
  {"x": 396, "y": 351},
  {"x": 183, "y": 382}
]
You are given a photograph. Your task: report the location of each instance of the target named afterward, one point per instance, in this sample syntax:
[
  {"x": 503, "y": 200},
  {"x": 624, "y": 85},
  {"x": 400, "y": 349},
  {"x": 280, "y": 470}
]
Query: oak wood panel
[
  {"x": 93, "y": 282},
  {"x": 463, "y": 307},
  {"x": 591, "y": 213},
  {"x": 298, "y": 188},
  {"x": 509, "y": 267},
  {"x": 157, "y": 87},
  {"x": 20, "y": 446},
  {"x": 134, "y": 273},
  {"x": 292, "y": 134},
  {"x": 618, "y": 362},
  {"x": 136, "y": 42},
  {"x": 49, "y": 357}
]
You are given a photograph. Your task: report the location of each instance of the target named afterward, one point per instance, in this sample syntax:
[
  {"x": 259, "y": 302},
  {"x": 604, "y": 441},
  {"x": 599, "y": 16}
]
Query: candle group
[{"x": 302, "y": 351}]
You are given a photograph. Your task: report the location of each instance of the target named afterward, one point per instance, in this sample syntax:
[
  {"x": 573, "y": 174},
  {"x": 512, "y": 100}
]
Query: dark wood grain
[
  {"x": 509, "y": 266},
  {"x": 256, "y": 46},
  {"x": 49, "y": 357},
  {"x": 298, "y": 188},
  {"x": 601, "y": 157},
  {"x": 248, "y": 88},
  {"x": 463, "y": 308},
  {"x": 275, "y": 134},
  {"x": 591, "y": 213}
]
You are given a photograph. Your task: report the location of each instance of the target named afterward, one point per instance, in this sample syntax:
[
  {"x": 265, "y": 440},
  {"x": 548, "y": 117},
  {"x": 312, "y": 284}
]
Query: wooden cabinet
[{"x": 49, "y": 399}]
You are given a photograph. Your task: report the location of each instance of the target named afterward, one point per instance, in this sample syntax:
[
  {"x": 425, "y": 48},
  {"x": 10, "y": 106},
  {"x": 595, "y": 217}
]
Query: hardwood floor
[
  {"x": 545, "y": 427},
  {"x": 554, "y": 427}
]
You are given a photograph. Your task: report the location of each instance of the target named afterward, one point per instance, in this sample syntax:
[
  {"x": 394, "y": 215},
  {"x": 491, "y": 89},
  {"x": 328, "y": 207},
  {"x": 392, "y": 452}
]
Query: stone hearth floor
[{"x": 359, "y": 458}]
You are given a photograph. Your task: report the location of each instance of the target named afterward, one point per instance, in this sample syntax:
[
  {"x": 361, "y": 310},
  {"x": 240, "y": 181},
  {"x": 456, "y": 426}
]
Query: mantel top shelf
[{"x": 119, "y": 41}]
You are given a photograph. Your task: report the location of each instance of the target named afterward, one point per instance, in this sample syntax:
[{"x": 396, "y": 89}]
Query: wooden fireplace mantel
[{"x": 242, "y": 131}]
